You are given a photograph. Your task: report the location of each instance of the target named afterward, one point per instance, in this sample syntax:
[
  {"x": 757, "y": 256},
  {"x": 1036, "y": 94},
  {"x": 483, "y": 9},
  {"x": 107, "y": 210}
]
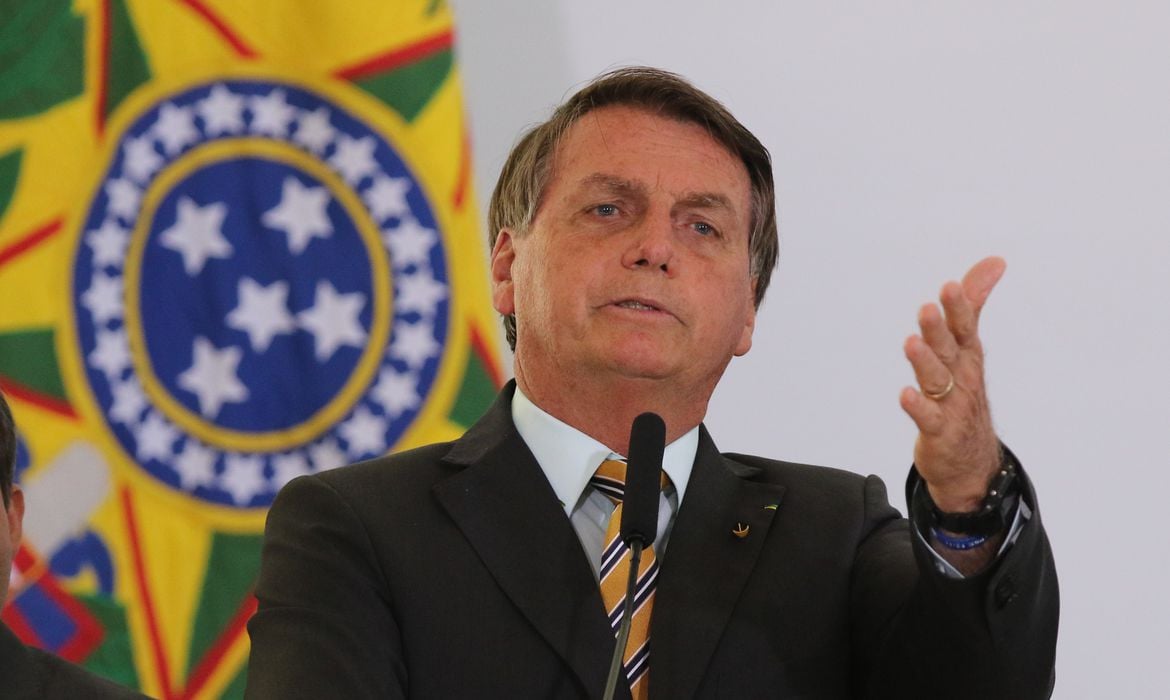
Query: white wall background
[{"x": 911, "y": 139}]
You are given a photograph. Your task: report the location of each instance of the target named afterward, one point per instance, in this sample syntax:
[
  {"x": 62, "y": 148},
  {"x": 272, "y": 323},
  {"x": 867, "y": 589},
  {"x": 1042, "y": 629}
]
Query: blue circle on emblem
[
  {"x": 256, "y": 305},
  {"x": 228, "y": 283}
]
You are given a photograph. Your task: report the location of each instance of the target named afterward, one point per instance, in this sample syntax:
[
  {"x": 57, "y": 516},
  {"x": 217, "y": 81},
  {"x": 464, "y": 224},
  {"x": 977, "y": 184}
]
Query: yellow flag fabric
[{"x": 238, "y": 243}]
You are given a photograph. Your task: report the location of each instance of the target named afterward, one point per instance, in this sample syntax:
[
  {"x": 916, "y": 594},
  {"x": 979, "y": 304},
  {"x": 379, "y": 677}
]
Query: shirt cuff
[{"x": 943, "y": 567}]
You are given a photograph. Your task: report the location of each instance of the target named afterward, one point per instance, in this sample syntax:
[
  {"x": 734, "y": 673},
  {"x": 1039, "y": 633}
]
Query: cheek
[
  {"x": 735, "y": 314},
  {"x": 534, "y": 297}
]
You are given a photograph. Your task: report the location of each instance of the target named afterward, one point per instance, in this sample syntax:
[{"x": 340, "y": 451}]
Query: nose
[{"x": 651, "y": 246}]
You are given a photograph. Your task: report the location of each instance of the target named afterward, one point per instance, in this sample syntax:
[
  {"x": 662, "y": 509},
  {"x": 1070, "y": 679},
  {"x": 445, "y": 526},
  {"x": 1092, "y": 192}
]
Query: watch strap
[{"x": 994, "y": 513}]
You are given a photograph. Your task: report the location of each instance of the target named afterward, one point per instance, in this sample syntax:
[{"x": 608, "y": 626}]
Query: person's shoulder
[
  {"x": 391, "y": 495},
  {"x": 780, "y": 471},
  {"x": 62, "y": 679},
  {"x": 421, "y": 466},
  {"x": 840, "y": 487},
  {"x": 819, "y": 493},
  {"x": 401, "y": 477}
]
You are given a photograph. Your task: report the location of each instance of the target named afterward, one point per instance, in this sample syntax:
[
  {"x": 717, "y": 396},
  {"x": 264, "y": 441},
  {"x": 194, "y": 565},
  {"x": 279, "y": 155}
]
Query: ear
[
  {"x": 749, "y": 323},
  {"x": 15, "y": 515},
  {"x": 503, "y": 255}
]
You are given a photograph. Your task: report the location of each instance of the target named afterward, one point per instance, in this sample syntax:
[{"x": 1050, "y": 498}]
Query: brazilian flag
[{"x": 238, "y": 243}]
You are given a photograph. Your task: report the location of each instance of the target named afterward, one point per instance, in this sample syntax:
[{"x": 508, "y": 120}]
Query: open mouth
[{"x": 636, "y": 305}]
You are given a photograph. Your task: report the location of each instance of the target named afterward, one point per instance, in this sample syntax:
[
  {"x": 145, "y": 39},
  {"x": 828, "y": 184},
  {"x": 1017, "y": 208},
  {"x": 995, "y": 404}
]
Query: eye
[
  {"x": 703, "y": 228},
  {"x": 605, "y": 210}
]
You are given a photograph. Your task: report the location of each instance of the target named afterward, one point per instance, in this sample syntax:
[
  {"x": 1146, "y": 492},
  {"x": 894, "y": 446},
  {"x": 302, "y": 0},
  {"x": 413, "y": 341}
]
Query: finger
[
  {"x": 937, "y": 335},
  {"x": 981, "y": 279},
  {"x": 926, "y": 414},
  {"x": 933, "y": 376},
  {"x": 960, "y": 314}
]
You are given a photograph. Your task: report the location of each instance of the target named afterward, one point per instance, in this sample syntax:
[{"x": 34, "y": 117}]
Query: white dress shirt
[{"x": 569, "y": 458}]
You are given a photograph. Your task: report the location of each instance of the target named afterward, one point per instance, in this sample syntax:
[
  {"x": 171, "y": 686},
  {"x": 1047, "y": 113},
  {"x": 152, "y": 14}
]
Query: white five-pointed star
[
  {"x": 271, "y": 114},
  {"x": 129, "y": 401},
  {"x": 419, "y": 292},
  {"x": 333, "y": 320},
  {"x": 354, "y": 158},
  {"x": 287, "y": 467},
  {"x": 314, "y": 131},
  {"x": 212, "y": 377},
  {"x": 395, "y": 392},
  {"x": 140, "y": 158},
  {"x": 109, "y": 244},
  {"x": 327, "y": 455},
  {"x": 365, "y": 433},
  {"x": 124, "y": 199},
  {"x": 301, "y": 214},
  {"x": 387, "y": 197},
  {"x": 197, "y": 234},
  {"x": 112, "y": 353},
  {"x": 262, "y": 312},
  {"x": 414, "y": 344},
  {"x": 155, "y": 438},
  {"x": 104, "y": 297},
  {"x": 243, "y": 477},
  {"x": 175, "y": 128},
  {"x": 410, "y": 243},
  {"x": 195, "y": 465},
  {"x": 222, "y": 112}
]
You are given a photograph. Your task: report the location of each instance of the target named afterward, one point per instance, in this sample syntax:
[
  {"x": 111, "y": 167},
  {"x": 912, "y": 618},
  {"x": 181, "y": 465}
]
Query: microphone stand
[{"x": 619, "y": 651}]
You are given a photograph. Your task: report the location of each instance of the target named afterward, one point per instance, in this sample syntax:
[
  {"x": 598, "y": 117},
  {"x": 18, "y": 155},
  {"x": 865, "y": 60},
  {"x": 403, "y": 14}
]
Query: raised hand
[{"x": 957, "y": 451}]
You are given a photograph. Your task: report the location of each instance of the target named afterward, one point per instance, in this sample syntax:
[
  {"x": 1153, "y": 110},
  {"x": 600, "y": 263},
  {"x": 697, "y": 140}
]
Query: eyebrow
[
  {"x": 622, "y": 186},
  {"x": 615, "y": 184},
  {"x": 706, "y": 200}
]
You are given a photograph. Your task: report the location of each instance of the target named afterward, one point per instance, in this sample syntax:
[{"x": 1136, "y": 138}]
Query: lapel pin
[
  {"x": 740, "y": 530},
  {"x": 772, "y": 506}
]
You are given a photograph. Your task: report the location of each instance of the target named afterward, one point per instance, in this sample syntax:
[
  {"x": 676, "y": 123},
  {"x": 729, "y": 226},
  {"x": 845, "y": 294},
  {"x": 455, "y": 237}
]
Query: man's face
[
  {"x": 637, "y": 261},
  {"x": 10, "y": 532}
]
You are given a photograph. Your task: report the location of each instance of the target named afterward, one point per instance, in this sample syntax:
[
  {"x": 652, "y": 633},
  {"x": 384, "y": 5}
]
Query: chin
[{"x": 643, "y": 363}]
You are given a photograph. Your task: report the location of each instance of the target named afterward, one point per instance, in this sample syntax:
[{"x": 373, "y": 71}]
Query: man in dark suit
[
  {"x": 26, "y": 672},
  {"x": 633, "y": 239}
]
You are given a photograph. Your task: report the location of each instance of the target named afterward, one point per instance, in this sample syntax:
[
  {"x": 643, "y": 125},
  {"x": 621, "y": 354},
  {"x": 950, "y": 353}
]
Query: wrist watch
[{"x": 993, "y": 515}]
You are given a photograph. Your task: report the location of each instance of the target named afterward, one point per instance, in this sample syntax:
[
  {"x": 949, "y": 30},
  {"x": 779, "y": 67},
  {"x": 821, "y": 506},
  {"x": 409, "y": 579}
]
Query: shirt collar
[{"x": 569, "y": 457}]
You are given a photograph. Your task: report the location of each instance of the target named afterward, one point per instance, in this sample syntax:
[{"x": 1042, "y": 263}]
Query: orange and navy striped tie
[{"x": 610, "y": 479}]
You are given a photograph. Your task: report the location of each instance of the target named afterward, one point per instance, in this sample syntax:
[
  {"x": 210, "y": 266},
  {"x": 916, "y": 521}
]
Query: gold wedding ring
[{"x": 942, "y": 394}]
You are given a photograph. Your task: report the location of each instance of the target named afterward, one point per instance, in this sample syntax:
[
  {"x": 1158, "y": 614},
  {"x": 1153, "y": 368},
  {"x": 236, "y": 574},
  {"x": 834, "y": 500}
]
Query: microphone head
[{"x": 643, "y": 479}]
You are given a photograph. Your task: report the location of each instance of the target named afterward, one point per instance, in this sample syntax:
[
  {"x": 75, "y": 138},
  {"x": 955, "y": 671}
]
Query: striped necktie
[{"x": 610, "y": 480}]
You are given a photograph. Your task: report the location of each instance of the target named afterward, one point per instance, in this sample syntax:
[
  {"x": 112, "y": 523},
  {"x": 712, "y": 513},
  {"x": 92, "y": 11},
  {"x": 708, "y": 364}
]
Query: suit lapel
[
  {"x": 705, "y": 567},
  {"x": 507, "y": 510}
]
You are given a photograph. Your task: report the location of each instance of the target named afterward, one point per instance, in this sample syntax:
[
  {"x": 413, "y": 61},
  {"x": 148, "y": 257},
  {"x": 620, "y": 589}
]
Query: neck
[{"x": 605, "y": 408}]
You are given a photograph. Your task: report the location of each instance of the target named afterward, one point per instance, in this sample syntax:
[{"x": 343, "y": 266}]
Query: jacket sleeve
[
  {"x": 920, "y": 634},
  {"x": 323, "y": 627}
]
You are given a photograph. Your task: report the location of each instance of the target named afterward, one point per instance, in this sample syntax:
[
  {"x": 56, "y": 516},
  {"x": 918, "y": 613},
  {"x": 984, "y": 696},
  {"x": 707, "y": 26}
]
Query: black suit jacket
[
  {"x": 31, "y": 674},
  {"x": 451, "y": 571}
]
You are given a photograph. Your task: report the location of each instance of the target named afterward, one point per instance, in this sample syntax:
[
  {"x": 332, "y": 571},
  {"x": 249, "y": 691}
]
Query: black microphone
[
  {"x": 643, "y": 479},
  {"x": 639, "y": 526}
]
